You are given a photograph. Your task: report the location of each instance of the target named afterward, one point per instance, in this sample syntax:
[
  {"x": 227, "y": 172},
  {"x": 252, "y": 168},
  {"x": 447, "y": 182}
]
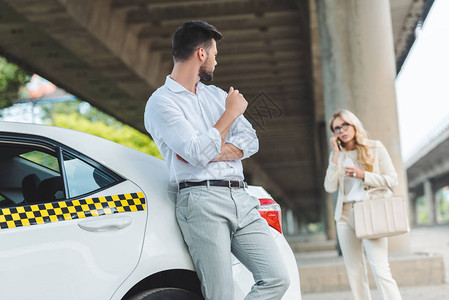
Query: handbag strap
[{"x": 378, "y": 190}]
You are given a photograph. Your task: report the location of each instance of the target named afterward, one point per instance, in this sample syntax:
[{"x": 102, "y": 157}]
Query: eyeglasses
[{"x": 339, "y": 129}]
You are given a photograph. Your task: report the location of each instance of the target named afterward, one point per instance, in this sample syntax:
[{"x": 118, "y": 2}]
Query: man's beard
[{"x": 205, "y": 75}]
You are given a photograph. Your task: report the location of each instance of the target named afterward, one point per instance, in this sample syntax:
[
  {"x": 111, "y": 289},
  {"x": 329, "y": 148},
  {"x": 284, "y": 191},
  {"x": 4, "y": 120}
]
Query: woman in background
[{"x": 357, "y": 164}]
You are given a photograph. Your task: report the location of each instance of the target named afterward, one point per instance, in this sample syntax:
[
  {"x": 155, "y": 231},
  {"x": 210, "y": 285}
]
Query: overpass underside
[
  {"x": 115, "y": 53},
  {"x": 428, "y": 172}
]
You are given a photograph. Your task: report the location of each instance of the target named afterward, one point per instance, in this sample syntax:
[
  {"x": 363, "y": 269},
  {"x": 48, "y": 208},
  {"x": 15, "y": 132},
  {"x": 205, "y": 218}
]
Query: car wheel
[{"x": 167, "y": 294}]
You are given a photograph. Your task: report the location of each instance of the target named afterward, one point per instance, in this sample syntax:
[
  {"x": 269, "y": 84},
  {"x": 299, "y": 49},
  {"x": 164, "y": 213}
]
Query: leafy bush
[
  {"x": 12, "y": 78},
  {"x": 119, "y": 133}
]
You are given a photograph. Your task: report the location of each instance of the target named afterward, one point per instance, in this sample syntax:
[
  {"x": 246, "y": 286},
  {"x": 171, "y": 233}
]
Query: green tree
[
  {"x": 12, "y": 78},
  {"x": 122, "y": 134},
  {"x": 77, "y": 106}
]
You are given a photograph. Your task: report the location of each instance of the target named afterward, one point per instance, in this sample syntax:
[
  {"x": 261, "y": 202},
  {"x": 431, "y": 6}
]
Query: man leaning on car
[{"x": 203, "y": 136}]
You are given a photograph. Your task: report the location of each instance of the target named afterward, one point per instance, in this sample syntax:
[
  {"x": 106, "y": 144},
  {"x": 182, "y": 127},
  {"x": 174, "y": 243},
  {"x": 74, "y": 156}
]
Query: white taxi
[{"x": 82, "y": 217}]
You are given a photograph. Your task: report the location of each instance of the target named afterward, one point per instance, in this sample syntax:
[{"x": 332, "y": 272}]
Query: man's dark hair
[{"x": 192, "y": 35}]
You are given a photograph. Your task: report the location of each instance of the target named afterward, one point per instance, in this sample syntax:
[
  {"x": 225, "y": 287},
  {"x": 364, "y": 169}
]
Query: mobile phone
[{"x": 339, "y": 144}]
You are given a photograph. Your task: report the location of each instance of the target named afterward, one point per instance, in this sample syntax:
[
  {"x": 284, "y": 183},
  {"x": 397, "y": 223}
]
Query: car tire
[{"x": 167, "y": 294}]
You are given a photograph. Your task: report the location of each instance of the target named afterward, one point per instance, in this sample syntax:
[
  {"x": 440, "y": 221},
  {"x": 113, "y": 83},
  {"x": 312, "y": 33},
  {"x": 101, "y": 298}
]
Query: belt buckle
[{"x": 239, "y": 186}]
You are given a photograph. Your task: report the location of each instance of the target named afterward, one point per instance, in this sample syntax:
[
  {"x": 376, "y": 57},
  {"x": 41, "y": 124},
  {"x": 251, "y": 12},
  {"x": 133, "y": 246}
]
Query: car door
[{"x": 69, "y": 227}]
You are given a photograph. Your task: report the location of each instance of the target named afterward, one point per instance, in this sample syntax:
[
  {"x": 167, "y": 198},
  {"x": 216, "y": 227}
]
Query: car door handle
[{"x": 106, "y": 225}]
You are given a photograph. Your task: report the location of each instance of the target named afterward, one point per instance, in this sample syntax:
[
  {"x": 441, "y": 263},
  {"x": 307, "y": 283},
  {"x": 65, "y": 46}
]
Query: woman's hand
[
  {"x": 355, "y": 172},
  {"x": 334, "y": 144},
  {"x": 335, "y": 149}
]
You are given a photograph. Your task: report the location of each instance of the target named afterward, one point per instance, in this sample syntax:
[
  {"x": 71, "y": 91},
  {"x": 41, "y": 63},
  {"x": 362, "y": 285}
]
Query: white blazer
[{"x": 383, "y": 174}]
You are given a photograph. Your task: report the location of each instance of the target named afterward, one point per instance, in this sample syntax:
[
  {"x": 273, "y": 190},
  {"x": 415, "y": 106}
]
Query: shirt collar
[{"x": 175, "y": 87}]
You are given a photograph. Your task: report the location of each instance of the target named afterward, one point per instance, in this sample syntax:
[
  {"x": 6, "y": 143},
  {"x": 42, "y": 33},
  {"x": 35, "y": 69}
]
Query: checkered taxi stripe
[{"x": 70, "y": 210}]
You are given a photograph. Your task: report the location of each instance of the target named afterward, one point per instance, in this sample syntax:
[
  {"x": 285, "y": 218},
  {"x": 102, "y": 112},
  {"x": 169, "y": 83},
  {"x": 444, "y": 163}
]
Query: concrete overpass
[
  {"x": 428, "y": 171},
  {"x": 296, "y": 61}
]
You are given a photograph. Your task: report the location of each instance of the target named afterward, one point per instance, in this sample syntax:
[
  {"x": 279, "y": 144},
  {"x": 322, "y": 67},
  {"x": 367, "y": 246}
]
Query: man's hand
[
  {"x": 181, "y": 159},
  {"x": 235, "y": 106},
  {"x": 235, "y": 103}
]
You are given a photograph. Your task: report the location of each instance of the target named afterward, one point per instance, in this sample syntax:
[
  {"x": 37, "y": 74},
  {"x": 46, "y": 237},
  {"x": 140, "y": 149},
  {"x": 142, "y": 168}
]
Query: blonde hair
[{"x": 364, "y": 158}]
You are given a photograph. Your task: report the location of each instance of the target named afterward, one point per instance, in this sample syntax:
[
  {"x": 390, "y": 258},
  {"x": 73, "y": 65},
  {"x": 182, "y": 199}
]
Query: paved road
[
  {"x": 437, "y": 292},
  {"x": 431, "y": 239}
]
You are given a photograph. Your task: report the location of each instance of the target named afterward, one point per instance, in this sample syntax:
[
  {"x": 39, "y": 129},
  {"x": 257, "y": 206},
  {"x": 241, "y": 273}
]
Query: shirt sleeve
[
  {"x": 243, "y": 136},
  {"x": 166, "y": 120},
  {"x": 333, "y": 173}
]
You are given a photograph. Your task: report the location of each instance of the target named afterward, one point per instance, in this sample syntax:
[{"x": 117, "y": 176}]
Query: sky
[{"x": 422, "y": 86}]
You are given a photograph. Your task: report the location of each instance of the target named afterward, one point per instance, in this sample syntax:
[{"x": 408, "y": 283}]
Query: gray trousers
[{"x": 216, "y": 221}]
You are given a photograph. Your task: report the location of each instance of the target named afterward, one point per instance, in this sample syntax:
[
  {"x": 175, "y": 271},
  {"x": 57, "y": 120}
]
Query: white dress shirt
[{"x": 181, "y": 122}]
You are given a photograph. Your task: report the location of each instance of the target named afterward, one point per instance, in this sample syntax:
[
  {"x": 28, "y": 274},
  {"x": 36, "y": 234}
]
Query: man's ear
[{"x": 202, "y": 55}]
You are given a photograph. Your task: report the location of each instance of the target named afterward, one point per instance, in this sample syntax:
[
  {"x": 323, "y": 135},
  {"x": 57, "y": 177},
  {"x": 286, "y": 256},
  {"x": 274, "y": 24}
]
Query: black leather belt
[{"x": 224, "y": 183}]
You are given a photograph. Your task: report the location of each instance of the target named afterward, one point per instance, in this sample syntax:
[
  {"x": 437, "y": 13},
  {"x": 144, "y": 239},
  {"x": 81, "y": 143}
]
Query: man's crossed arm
[
  {"x": 235, "y": 106},
  {"x": 228, "y": 152}
]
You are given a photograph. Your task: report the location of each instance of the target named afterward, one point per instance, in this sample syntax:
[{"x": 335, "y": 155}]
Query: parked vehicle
[{"x": 82, "y": 217}]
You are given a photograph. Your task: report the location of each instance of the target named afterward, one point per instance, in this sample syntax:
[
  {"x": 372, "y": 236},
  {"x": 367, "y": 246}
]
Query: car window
[
  {"x": 43, "y": 159},
  {"x": 3, "y": 200},
  {"x": 33, "y": 175},
  {"x": 82, "y": 178}
]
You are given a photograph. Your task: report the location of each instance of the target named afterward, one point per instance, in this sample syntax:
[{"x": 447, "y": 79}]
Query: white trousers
[{"x": 354, "y": 258}]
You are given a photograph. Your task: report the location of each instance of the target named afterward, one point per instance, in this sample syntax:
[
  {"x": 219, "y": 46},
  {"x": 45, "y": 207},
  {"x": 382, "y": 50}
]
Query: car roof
[{"x": 111, "y": 154}]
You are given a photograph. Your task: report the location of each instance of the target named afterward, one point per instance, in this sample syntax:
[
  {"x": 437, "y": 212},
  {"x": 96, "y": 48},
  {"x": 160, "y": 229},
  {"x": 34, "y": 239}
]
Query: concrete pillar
[
  {"x": 429, "y": 196},
  {"x": 358, "y": 66},
  {"x": 437, "y": 206},
  {"x": 331, "y": 231},
  {"x": 290, "y": 223},
  {"x": 412, "y": 211},
  {"x": 321, "y": 149}
]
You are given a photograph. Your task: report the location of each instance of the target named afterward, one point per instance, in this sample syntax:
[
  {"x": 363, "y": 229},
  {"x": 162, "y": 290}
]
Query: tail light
[{"x": 271, "y": 211}]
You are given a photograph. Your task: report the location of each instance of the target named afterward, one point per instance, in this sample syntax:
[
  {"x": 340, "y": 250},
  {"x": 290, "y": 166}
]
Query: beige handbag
[{"x": 380, "y": 214}]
